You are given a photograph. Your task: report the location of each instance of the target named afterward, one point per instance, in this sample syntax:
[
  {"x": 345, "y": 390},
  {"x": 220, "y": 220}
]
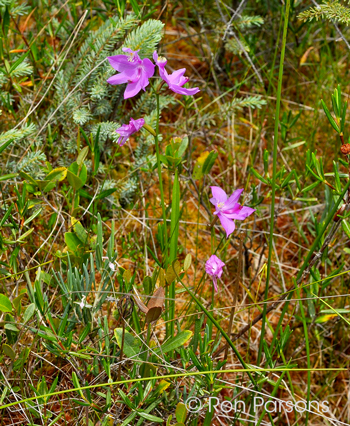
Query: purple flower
[
  {"x": 213, "y": 267},
  {"x": 132, "y": 70},
  {"x": 126, "y": 130},
  {"x": 228, "y": 209},
  {"x": 175, "y": 80}
]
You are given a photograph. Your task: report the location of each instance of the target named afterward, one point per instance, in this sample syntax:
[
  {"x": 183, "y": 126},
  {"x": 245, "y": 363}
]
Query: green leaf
[
  {"x": 77, "y": 384},
  {"x": 33, "y": 216},
  {"x": 17, "y": 303},
  {"x": 5, "y": 145},
  {"x": 170, "y": 273},
  {"x": 187, "y": 262},
  {"x": 150, "y": 417},
  {"x": 330, "y": 118},
  {"x": 175, "y": 342},
  {"x": 8, "y": 351},
  {"x": 105, "y": 193},
  {"x": 80, "y": 232},
  {"x": 132, "y": 345},
  {"x": 5, "y": 303},
  {"x": 8, "y": 177},
  {"x": 29, "y": 312},
  {"x": 72, "y": 241},
  {"x": 209, "y": 162},
  {"x": 312, "y": 186},
  {"x": 346, "y": 227},
  {"x": 56, "y": 175},
  {"x": 82, "y": 155},
  {"x": 294, "y": 145},
  {"x": 181, "y": 412},
  {"x": 11, "y": 327},
  {"x": 135, "y": 7},
  {"x": 257, "y": 175},
  {"x": 74, "y": 180}
]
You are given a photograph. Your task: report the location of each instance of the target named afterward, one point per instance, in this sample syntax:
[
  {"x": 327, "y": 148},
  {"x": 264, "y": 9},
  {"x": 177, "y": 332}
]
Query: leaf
[
  {"x": 27, "y": 177},
  {"x": 346, "y": 227},
  {"x": 29, "y": 312},
  {"x": 25, "y": 235},
  {"x": 294, "y": 145},
  {"x": 329, "y": 116},
  {"x": 74, "y": 180},
  {"x": 175, "y": 342},
  {"x": 324, "y": 318},
  {"x": 155, "y": 305},
  {"x": 17, "y": 303},
  {"x": 132, "y": 345},
  {"x": 303, "y": 59},
  {"x": 163, "y": 385},
  {"x": 72, "y": 241},
  {"x": 106, "y": 193},
  {"x": 187, "y": 262},
  {"x": 8, "y": 351},
  {"x": 150, "y": 417},
  {"x": 198, "y": 167},
  {"x": 170, "y": 274},
  {"x": 209, "y": 162},
  {"x": 79, "y": 230},
  {"x": 147, "y": 285},
  {"x": 82, "y": 155},
  {"x": 11, "y": 327},
  {"x": 33, "y": 216},
  {"x": 77, "y": 384},
  {"x": 139, "y": 302},
  {"x": 5, "y": 303},
  {"x": 57, "y": 175},
  {"x": 181, "y": 412}
]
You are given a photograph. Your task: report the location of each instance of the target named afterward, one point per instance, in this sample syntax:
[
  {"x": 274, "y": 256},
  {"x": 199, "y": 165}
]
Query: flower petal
[
  {"x": 132, "y": 89},
  {"x": 184, "y": 91},
  {"x": 219, "y": 194},
  {"x": 227, "y": 224},
  {"x": 243, "y": 213},
  {"x": 176, "y": 76},
  {"x": 121, "y": 62},
  {"x": 233, "y": 199},
  {"x": 137, "y": 123},
  {"x": 149, "y": 67},
  {"x": 118, "y": 79}
]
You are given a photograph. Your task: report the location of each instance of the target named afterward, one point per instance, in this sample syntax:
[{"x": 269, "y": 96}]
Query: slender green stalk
[
  {"x": 159, "y": 167},
  {"x": 274, "y": 172},
  {"x": 174, "y": 236},
  {"x": 307, "y": 346},
  {"x": 165, "y": 231},
  {"x": 169, "y": 376}
]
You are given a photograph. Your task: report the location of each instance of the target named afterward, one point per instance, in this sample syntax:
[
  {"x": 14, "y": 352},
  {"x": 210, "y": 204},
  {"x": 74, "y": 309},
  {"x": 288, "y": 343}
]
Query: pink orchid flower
[
  {"x": 176, "y": 80},
  {"x": 126, "y": 130},
  {"x": 213, "y": 267},
  {"x": 228, "y": 209},
  {"x": 132, "y": 70}
]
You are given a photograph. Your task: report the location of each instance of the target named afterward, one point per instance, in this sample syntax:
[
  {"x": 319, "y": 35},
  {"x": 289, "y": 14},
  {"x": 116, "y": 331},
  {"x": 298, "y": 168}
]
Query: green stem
[
  {"x": 159, "y": 167},
  {"x": 274, "y": 172}
]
